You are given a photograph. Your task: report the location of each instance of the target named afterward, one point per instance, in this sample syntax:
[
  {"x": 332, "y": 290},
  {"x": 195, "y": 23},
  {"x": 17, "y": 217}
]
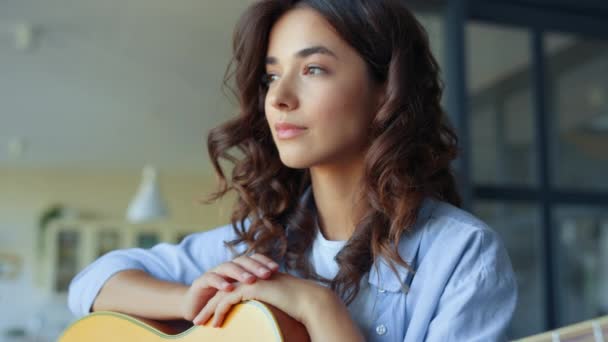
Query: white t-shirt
[{"x": 321, "y": 256}]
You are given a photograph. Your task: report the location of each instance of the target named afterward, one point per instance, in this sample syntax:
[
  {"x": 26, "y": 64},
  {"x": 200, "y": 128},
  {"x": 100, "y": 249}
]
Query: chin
[{"x": 295, "y": 162}]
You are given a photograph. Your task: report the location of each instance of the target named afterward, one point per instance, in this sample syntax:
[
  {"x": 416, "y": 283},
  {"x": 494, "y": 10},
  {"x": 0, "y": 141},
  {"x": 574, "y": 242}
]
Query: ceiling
[
  {"x": 112, "y": 84},
  {"x": 116, "y": 84}
]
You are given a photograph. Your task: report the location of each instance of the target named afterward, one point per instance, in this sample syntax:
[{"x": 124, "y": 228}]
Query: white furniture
[{"x": 72, "y": 244}]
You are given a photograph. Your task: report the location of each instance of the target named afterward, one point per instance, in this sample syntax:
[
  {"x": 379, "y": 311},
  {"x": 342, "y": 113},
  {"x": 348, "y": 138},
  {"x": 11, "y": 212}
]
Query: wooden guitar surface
[{"x": 251, "y": 320}]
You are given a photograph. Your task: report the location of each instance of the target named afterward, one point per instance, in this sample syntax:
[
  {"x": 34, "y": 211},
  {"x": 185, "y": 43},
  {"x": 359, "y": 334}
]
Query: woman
[{"x": 347, "y": 215}]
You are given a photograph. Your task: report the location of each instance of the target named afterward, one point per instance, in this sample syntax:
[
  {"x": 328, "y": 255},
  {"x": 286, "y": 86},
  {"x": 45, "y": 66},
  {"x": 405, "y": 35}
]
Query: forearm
[
  {"x": 137, "y": 293},
  {"x": 328, "y": 319}
]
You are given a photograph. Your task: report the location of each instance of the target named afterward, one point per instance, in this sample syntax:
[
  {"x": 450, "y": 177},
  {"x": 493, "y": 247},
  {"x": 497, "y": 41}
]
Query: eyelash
[{"x": 266, "y": 78}]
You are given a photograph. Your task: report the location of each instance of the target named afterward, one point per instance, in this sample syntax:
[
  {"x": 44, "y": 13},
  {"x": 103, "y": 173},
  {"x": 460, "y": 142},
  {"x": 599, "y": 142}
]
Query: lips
[
  {"x": 285, "y": 126},
  {"x": 288, "y": 131}
]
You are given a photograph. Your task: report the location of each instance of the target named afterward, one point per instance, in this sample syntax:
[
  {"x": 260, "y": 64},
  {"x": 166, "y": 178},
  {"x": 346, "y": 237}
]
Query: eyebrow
[{"x": 318, "y": 49}]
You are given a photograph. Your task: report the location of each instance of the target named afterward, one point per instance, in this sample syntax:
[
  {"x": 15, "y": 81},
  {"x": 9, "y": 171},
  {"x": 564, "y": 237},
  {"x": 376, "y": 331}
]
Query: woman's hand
[
  {"x": 289, "y": 294},
  {"x": 244, "y": 269}
]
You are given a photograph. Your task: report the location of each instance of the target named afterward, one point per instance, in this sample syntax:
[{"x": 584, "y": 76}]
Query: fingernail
[
  {"x": 226, "y": 286},
  {"x": 263, "y": 271},
  {"x": 247, "y": 275},
  {"x": 273, "y": 265}
]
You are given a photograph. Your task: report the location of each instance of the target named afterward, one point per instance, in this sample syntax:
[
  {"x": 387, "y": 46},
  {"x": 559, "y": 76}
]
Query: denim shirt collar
[{"x": 381, "y": 275}]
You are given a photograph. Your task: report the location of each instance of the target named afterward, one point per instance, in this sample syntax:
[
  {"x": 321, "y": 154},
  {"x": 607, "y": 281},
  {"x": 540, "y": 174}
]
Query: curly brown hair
[{"x": 412, "y": 143}]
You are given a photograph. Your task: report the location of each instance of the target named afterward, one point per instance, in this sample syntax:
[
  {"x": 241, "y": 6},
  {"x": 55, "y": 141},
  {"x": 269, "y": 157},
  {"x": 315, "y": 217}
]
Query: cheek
[
  {"x": 342, "y": 109},
  {"x": 269, "y": 116},
  {"x": 267, "y": 109}
]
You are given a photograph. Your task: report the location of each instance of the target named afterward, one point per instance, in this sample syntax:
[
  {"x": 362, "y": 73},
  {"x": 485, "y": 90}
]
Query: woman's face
[{"x": 319, "y": 82}]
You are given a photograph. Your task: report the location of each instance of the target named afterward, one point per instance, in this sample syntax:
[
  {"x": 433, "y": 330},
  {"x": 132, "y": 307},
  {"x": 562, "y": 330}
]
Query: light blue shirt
[{"x": 464, "y": 288}]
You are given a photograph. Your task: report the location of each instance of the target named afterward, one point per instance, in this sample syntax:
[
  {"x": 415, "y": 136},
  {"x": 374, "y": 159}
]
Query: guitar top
[{"x": 251, "y": 320}]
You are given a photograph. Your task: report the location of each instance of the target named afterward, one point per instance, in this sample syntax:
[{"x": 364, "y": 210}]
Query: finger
[
  {"x": 217, "y": 281},
  {"x": 222, "y": 309},
  {"x": 265, "y": 260},
  {"x": 253, "y": 266},
  {"x": 206, "y": 312},
  {"x": 231, "y": 270}
]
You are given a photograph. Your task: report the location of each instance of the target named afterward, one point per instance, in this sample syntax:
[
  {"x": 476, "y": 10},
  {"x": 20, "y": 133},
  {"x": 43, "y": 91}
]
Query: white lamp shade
[{"x": 148, "y": 203}]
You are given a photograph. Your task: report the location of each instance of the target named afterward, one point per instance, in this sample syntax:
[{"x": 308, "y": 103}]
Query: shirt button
[
  {"x": 381, "y": 330},
  {"x": 381, "y": 290}
]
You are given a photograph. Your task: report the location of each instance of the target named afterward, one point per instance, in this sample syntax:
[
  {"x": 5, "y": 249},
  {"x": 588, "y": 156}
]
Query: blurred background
[{"x": 105, "y": 108}]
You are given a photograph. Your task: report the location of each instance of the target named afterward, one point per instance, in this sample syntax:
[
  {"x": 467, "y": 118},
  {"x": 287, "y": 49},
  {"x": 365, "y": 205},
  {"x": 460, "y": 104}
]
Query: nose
[{"x": 282, "y": 95}]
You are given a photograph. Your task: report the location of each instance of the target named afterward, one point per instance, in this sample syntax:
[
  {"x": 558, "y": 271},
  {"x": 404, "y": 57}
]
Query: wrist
[{"x": 177, "y": 295}]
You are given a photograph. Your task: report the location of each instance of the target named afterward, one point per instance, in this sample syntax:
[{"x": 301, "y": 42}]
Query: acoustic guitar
[
  {"x": 251, "y": 320},
  {"x": 594, "y": 330}
]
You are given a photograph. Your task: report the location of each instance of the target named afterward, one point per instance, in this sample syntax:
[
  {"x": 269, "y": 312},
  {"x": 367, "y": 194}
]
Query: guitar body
[{"x": 251, "y": 320}]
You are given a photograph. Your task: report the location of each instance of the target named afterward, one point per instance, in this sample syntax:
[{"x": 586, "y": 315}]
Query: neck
[{"x": 336, "y": 191}]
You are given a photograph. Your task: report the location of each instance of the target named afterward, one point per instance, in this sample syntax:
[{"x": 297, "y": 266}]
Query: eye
[
  {"x": 314, "y": 70},
  {"x": 268, "y": 78}
]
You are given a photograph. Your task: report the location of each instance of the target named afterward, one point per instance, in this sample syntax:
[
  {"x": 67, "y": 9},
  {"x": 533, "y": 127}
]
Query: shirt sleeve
[
  {"x": 478, "y": 304},
  {"x": 182, "y": 263}
]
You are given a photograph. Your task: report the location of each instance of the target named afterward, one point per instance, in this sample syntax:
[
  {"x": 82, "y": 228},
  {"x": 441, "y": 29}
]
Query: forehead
[{"x": 301, "y": 27}]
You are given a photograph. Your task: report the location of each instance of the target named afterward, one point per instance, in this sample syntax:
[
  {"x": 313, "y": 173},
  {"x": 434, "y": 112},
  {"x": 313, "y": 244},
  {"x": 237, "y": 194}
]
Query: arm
[
  {"x": 167, "y": 266},
  {"x": 326, "y": 318},
  {"x": 479, "y": 300},
  {"x": 479, "y": 309},
  {"x": 135, "y": 292},
  {"x": 319, "y": 309}
]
